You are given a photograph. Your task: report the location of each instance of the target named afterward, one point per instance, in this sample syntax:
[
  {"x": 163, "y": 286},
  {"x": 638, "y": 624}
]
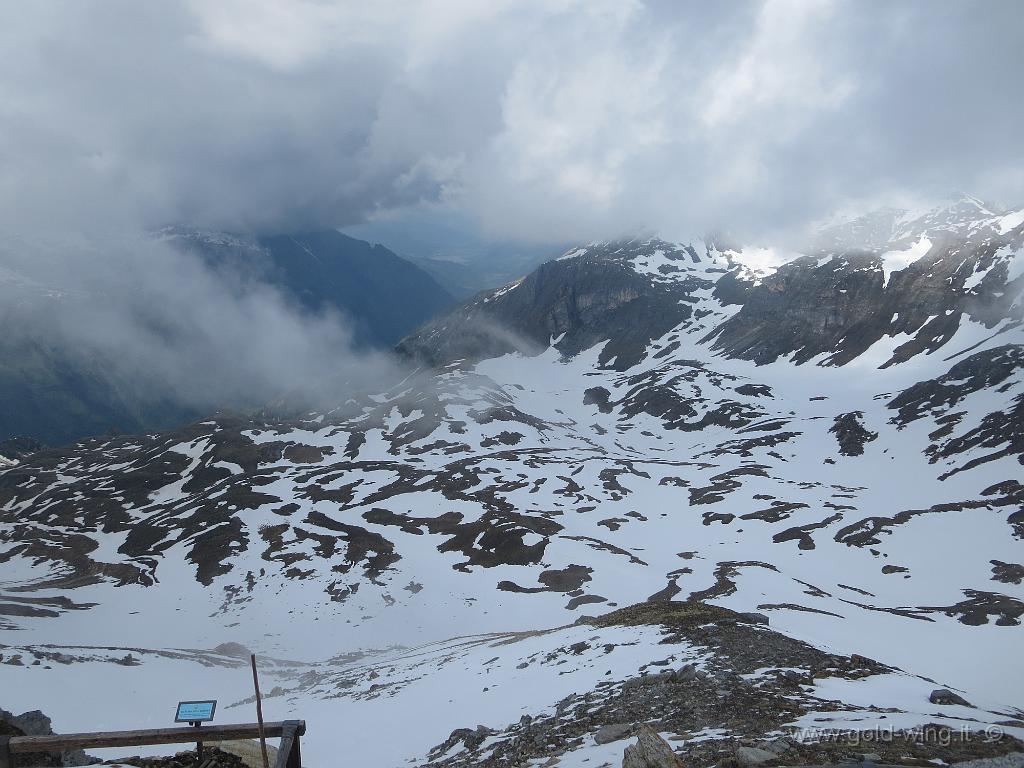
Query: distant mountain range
[
  {"x": 383, "y": 295},
  {"x": 465, "y": 278},
  {"x": 891, "y": 275},
  {"x": 52, "y": 396}
]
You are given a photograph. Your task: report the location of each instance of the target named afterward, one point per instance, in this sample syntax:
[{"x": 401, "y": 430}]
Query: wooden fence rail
[{"x": 288, "y": 756}]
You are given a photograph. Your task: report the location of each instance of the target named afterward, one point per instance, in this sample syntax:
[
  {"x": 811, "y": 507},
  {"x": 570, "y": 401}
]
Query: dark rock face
[
  {"x": 1008, "y": 573},
  {"x": 978, "y": 607},
  {"x": 982, "y": 370},
  {"x": 803, "y": 309},
  {"x": 383, "y": 295},
  {"x": 579, "y": 301},
  {"x": 18, "y": 448},
  {"x": 673, "y": 400},
  {"x": 850, "y": 432},
  {"x": 1001, "y": 430},
  {"x": 57, "y": 395},
  {"x": 839, "y": 306}
]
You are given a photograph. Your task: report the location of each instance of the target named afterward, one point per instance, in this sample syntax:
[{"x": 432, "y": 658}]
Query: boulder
[
  {"x": 686, "y": 673},
  {"x": 609, "y": 733},
  {"x": 748, "y": 757},
  {"x": 645, "y": 680},
  {"x": 35, "y": 723},
  {"x": 779, "y": 745},
  {"x": 469, "y": 737},
  {"x": 650, "y": 751},
  {"x": 946, "y": 696}
]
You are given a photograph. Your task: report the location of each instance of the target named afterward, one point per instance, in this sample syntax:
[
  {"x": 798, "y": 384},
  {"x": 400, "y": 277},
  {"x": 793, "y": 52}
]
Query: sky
[
  {"x": 489, "y": 130},
  {"x": 548, "y": 121}
]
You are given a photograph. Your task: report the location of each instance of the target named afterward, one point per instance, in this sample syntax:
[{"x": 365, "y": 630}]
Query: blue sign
[{"x": 195, "y": 711}]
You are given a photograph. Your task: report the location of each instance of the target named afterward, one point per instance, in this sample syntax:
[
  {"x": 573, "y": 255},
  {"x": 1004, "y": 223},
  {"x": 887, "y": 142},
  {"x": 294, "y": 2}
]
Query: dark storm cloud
[{"x": 540, "y": 120}]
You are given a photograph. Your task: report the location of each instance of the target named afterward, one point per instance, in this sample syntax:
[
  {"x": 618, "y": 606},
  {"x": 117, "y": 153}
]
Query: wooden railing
[{"x": 289, "y": 754}]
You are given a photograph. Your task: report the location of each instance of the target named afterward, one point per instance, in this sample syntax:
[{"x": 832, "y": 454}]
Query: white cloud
[
  {"x": 782, "y": 71},
  {"x": 541, "y": 120}
]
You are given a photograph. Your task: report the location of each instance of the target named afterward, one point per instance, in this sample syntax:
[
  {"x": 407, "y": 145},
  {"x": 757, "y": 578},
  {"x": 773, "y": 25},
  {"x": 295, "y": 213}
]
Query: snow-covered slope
[{"x": 654, "y": 439}]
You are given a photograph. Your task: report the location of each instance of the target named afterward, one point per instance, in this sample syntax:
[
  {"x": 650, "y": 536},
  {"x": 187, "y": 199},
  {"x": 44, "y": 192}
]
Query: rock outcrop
[{"x": 650, "y": 751}]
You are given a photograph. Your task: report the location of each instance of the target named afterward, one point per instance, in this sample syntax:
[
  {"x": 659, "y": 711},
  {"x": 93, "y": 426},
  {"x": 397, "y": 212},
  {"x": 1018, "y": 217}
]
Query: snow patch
[{"x": 895, "y": 261}]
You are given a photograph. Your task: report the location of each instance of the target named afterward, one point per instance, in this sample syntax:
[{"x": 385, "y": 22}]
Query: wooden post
[
  {"x": 289, "y": 754},
  {"x": 295, "y": 756},
  {"x": 259, "y": 711},
  {"x": 199, "y": 746}
]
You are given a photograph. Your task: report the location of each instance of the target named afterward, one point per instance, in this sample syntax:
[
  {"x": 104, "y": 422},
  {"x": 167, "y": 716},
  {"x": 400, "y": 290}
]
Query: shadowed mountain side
[
  {"x": 217, "y": 321},
  {"x": 381, "y": 294},
  {"x": 578, "y": 301}
]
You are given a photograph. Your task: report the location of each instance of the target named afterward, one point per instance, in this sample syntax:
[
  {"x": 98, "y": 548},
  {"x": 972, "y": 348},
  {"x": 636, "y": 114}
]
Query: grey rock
[
  {"x": 35, "y": 723},
  {"x": 644, "y": 681},
  {"x": 686, "y": 673},
  {"x": 777, "y": 746},
  {"x": 470, "y": 738},
  {"x": 610, "y": 733},
  {"x": 237, "y": 650},
  {"x": 748, "y": 757},
  {"x": 946, "y": 696},
  {"x": 650, "y": 751}
]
